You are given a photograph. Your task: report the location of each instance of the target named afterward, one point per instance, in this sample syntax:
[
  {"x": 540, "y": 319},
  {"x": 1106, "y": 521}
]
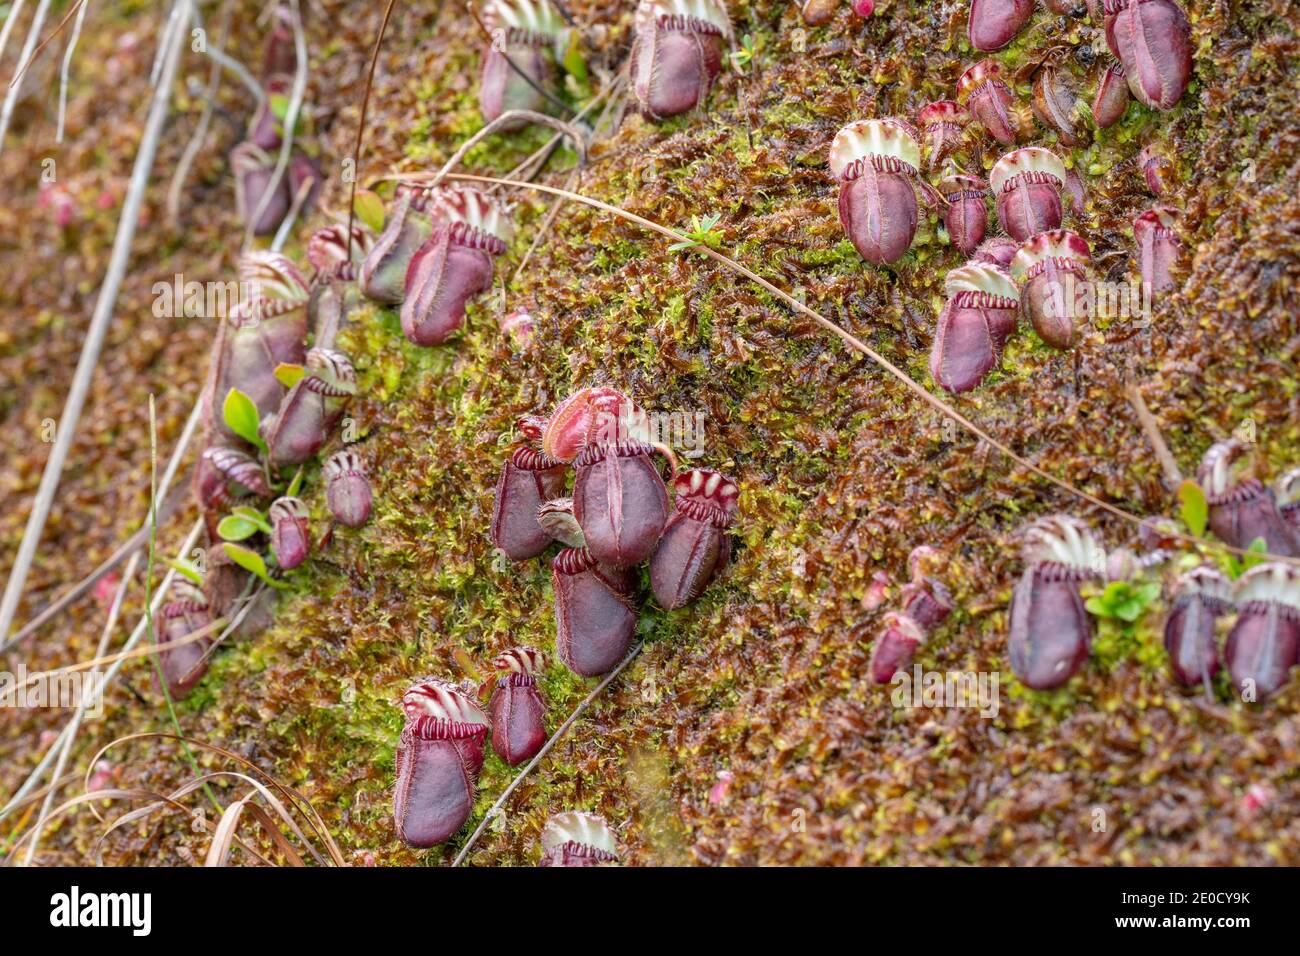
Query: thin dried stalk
[
  {"x": 133, "y": 544},
  {"x": 196, "y": 141},
  {"x": 69, "y": 735},
  {"x": 858, "y": 346},
  {"x": 8, "y": 28},
  {"x": 95, "y": 334},
  {"x": 16, "y": 88},
  {"x": 82, "y": 6},
  {"x": 361, "y": 124},
  {"x": 230, "y": 63},
  {"x": 555, "y": 738},
  {"x": 76, "y": 9},
  {"x": 509, "y": 116},
  {"x": 1168, "y": 464},
  {"x": 290, "y": 122},
  {"x": 532, "y": 165},
  {"x": 545, "y": 227},
  {"x": 240, "y": 71},
  {"x": 291, "y": 217}
]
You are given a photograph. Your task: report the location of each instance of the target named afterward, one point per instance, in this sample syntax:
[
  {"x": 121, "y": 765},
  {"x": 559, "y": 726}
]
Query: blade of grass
[
  {"x": 148, "y": 589},
  {"x": 223, "y": 835}
]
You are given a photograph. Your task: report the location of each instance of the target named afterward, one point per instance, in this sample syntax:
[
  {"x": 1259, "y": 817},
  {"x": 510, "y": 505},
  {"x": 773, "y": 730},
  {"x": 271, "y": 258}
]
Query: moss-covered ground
[{"x": 747, "y": 731}]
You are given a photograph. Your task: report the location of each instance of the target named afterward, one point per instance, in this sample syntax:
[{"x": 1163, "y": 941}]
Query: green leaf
[
  {"x": 1123, "y": 600},
  {"x": 369, "y": 209},
  {"x": 1148, "y": 592},
  {"x": 241, "y": 417},
  {"x": 1257, "y": 548},
  {"x": 254, "y": 517},
  {"x": 1232, "y": 566},
  {"x": 288, "y": 374},
  {"x": 295, "y": 486},
  {"x": 1129, "y": 610},
  {"x": 187, "y": 568},
  {"x": 252, "y": 562},
  {"x": 236, "y": 528},
  {"x": 700, "y": 233},
  {"x": 1195, "y": 510},
  {"x": 573, "y": 62},
  {"x": 279, "y": 104}
]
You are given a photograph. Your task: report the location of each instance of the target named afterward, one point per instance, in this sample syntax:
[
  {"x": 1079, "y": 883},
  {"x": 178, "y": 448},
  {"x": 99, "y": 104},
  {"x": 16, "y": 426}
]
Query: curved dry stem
[
  {"x": 15, "y": 88},
  {"x": 95, "y": 334},
  {"x": 361, "y": 124},
  {"x": 121, "y": 656},
  {"x": 69, "y": 736},
  {"x": 859, "y": 346},
  {"x": 509, "y": 116},
  {"x": 200, "y": 134},
  {"x": 80, "y": 9},
  {"x": 170, "y": 497},
  {"x": 296, "y": 94},
  {"x": 555, "y": 738},
  {"x": 292, "y": 796},
  {"x": 241, "y": 72}
]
